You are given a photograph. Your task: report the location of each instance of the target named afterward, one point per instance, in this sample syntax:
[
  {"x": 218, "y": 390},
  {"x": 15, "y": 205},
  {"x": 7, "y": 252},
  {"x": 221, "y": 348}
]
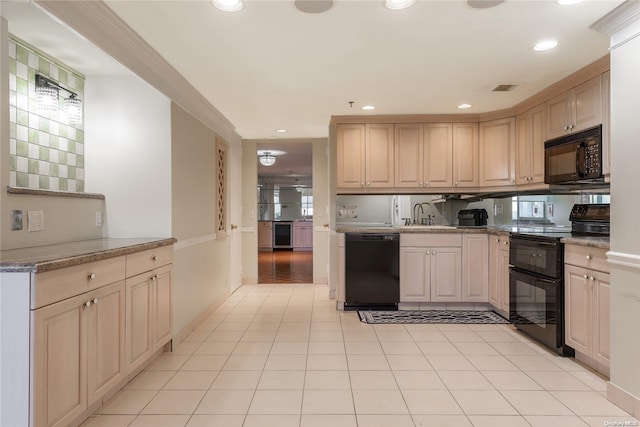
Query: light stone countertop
[
  {"x": 38, "y": 259},
  {"x": 590, "y": 241}
]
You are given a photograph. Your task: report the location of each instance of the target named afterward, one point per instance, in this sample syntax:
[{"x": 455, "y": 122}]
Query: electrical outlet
[
  {"x": 36, "y": 220},
  {"x": 98, "y": 219},
  {"x": 16, "y": 220},
  {"x": 497, "y": 210}
]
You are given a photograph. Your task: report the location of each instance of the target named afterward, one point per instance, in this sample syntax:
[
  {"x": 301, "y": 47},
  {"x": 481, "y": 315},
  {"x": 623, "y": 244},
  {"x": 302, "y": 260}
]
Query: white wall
[
  {"x": 625, "y": 233},
  {"x": 321, "y": 211},
  {"x": 128, "y": 154},
  {"x": 249, "y": 218}
]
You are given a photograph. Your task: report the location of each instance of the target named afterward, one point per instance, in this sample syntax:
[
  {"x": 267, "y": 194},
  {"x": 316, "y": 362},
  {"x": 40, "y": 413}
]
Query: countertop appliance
[
  {"x": 536, "y": 275},
  {"x": 372, "y": 271},
  {"x": 282, "y": 235},
  {"x": 472, "y": 217},
  {"x": 574, "y": 159}
]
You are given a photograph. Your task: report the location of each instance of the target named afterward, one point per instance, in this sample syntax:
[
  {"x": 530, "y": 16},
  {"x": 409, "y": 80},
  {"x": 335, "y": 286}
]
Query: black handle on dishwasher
[{"x": 372, "y": 237}]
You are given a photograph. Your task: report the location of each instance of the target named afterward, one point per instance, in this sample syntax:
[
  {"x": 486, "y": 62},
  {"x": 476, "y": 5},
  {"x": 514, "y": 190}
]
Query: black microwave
[{"x": 575, "y": 158}]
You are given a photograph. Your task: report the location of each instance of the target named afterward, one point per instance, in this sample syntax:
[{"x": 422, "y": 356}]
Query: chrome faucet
[
  {"x": 416, "y": 220},
  {"x": 431, "y": 218}
]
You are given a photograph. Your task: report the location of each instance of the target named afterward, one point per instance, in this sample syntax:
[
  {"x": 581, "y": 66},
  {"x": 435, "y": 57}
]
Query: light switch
[
  {"x": 98, "y": 219},
  {"x": 16, "y": 220},
  {"x": 36, "y": 220}
]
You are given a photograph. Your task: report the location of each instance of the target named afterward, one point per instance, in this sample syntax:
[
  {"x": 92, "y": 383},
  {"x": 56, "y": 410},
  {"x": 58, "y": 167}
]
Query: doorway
[{"x": 285, "y": 209}]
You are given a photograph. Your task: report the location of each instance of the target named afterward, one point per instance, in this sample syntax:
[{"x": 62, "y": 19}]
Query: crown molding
[
  {"x": 95, "y": 21},
  {"x": 619, "y": 18}
]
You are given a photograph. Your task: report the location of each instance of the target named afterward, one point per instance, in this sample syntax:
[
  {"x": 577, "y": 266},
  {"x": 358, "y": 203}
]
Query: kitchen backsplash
[
  {"x": 46, "y": 152},
  {"x": 542, "y": 209}
]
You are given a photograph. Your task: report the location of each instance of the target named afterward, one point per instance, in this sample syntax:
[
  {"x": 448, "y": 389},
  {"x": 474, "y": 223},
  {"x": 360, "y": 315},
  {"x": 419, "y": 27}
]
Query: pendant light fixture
[
  {"x": 267, "y": 159},
  {"x": 47, "y": 92}
]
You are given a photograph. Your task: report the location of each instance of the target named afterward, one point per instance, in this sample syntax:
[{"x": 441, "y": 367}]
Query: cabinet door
[
  {"x": 497, "y": 153},
  {"x": 503, "y": 267},
  {"x": 105, "y": 340},
  {"x": 523, "y": 148},
  {"x": 265, "y": 236},
  {"x": 298, "y": 237},
  {"x": 494, "y": 272},
  {"x": 559, "y": 116},
  {"x": 577, "y": 303},
  {"x": 308, "y": 236},
  {"x": 465, "y": 154},
  {"x": 446, "y": 274},
  {"x": 587, "y": 104},
  {"x": 409, "y": 168},
  {"x": 415, "y": 274},
  {"x": 138, "y": 312},
  {"x": 350, "y": 161},
  {"x": 59, "y": 362},
  {"x": 379, "y": 169},
  {"x": 475, "y": 268},
  {"x": 161, "y": 307},
  {"x": 538, "y": 121},
  {"x": 602, "y": 319},
  {"x": 438, "y": 155},
  {"x": 606, "y": 123}
]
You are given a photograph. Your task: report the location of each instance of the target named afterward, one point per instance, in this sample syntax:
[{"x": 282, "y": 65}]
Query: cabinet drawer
[
  {"x": 264, "y": 224},
  {"x": 431, "y": 240},
  {"x": 148, "y": 260},
  {"x": 587, "y": 257},
  {"x": 57, "y": 285}
]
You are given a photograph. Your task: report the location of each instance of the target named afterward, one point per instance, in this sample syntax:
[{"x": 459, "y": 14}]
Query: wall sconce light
[
  {"x": 47, "y": 96},
  {"x": 266, "y": 159}
]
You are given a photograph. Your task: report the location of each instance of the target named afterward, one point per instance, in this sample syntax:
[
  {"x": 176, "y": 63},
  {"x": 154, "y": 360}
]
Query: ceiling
[
  {"x": 293, "y": 167},
  {"x": 271, "y": 66}
]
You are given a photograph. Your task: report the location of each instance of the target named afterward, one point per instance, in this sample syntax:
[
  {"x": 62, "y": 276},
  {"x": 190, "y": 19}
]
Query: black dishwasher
[{"x": 372, "y": 271}]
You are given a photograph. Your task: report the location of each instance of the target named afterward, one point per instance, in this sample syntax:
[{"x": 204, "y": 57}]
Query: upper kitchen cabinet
[
  {"x": 576, "y": 109},
  {"x": 530, "y": 137},
  {"x": 423, "y": 155},
  {"x": 497, "y": 153},
  {"x": 365, "y": 156},
  {"x": 465, "y": 154}
]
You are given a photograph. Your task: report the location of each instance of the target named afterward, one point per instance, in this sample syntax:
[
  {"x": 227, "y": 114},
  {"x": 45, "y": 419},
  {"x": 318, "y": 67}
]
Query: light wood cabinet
[
  {"x": 302, "y": 235},
  {"x": 265, "y": 235},
  {"x": 365, "y": 156},
  {"x": 438, "y": 155},
  {"x": 530, "y": 137},
  {"x": 409, "y": 149},
  {"x": 148, "y": 314},
  {"x": 587, "y": 309},
  {"x": 78, "y": 353},
  {"x": 475, "y": 267},
  {"x": 497, "y": 153},
  {"x": 430, "y": 268},
  {"x": 499, "y": 274},
  {"x": 576, "y": 109},
  {"x": 465, "y": 154}
]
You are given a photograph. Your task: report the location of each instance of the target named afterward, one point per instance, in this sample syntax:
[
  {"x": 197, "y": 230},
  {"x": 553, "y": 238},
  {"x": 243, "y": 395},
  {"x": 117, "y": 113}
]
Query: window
[{"x": 307, "y": 203}]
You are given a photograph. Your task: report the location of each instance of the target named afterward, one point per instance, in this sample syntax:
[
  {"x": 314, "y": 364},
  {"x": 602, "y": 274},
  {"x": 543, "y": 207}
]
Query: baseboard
[
  {"x": 623, "y": 399},
  {"x": 204, "y": 314},
  {"x": 320, "y": 280},
  {"x": 249, "y": 280}
]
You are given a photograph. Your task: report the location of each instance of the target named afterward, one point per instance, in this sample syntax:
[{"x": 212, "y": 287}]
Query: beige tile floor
[{"x": 281, "y": 355}]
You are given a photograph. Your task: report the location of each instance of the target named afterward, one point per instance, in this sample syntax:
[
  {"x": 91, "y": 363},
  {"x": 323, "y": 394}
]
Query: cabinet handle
[
  {"x": 585, "y": 277},
  {"x": 152, "y": 278},
  {"x": 154, "y": 258},
  {"x": 426, "y": 183},
  {"x": 456, "y": 183},
  {"x": 506, "y": 243},
  {"x": 92, "y": 276},
  {"x": 95, "y": 301},
  {"x": 86, "y": 305},
  {"x": 592, "y": 278},
  {"x": 433, "y": 253},
  {"x": 368, "y": 184},
  {"x": 588, "y": 257}
]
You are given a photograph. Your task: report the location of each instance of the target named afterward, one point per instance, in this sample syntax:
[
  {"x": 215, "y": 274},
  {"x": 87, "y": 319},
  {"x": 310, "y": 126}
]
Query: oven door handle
[{"x": 546, "y": 280}]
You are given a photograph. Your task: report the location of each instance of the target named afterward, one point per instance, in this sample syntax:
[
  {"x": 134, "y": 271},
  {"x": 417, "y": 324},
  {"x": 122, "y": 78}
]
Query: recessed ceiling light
[
  {"x": 568, "y": 2},
  {"x": 398, "y": 4},
  {"x": 281, "y": 130},
  {"x": 369, "y": 107},
  {"x": 545, "y": 45},
  {"x": 228, "y": 5},
  {"x": 464, "y": 106},
  {"x": 483, "y": 4},
  {"x": 313, "y": 6}
]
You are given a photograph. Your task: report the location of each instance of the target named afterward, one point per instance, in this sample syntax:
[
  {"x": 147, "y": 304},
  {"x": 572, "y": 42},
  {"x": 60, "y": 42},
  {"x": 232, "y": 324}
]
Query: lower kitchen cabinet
[
  {"x": 148, "y": 314},
  {"x": 587, "y": 310},
  {"x": 302, "y": 235},
  {"x": 475, "y": 267},
  {"x": 265, "y": 235},
  {"x": 78, "y": 353},
  {"x": 430, "y": 273},
  {"x": 499, "y": 274}
]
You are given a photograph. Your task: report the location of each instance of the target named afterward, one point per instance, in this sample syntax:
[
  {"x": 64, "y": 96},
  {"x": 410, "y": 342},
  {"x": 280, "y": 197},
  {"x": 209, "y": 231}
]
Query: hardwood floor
[{"x": 285, "y": 266}]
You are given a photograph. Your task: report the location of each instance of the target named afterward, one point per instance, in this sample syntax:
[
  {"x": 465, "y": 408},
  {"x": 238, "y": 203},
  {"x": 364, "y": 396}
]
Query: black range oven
[{"x": 536, "y": 287}]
